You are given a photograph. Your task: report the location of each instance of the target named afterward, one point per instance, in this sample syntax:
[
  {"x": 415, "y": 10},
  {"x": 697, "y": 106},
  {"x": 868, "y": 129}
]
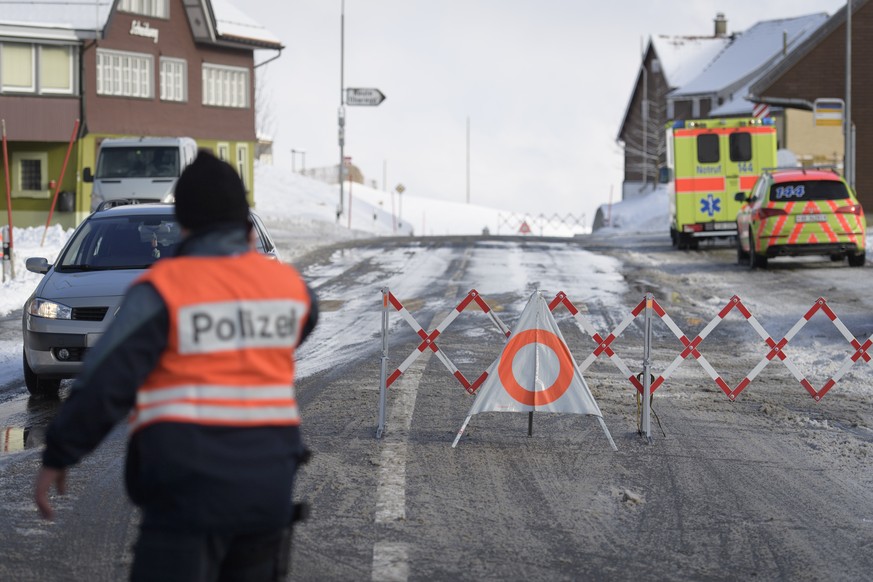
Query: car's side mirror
[
  {"x": 741, "y": 197},
  {"x": 37, "y": 265},
  {"x": 87, "y": 176}
]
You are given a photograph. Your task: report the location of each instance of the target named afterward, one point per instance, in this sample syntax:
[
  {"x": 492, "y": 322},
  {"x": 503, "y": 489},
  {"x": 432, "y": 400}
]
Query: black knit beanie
[{"x": 210, "y": 193}]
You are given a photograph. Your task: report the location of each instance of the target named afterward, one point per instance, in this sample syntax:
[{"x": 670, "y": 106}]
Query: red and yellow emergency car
[{"x": 794, "y": 212}]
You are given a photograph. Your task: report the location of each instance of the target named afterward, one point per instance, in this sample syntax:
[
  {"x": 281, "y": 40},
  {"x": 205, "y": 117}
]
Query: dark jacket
[{"x": 186, "y": 477}]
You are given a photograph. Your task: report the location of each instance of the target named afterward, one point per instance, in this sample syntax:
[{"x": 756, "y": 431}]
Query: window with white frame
[
  {"x": 242, "y": 164},
  {"x": 153, "y": 8},
  {"x": 56, "y": 69},
  {"x": 17, "y": 68},
  {"x": 174, "y": 79},
  {"x": 225, "y": 86},
  {"x": 30, "y": 175},
  {"x": 224, "y": 152},
  {"x": 125, "y": 74}
]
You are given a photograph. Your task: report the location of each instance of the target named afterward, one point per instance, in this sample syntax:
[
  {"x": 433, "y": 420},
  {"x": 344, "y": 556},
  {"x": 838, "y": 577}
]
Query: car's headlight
[{"x": 49, "y": 309}]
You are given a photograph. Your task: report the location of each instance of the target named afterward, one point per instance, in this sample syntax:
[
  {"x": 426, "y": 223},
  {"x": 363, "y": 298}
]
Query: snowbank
[{"x": 646, "y": 213}]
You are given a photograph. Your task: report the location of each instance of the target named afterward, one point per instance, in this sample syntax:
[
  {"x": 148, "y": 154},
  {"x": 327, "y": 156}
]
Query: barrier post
[
  {"x": 2, "y": 254},
  {"x": 8, "y": 260},
  {"x": 647, "y": 371},
  {"x": 60, "y": 181},
  {"x": 383, "y": 376}
]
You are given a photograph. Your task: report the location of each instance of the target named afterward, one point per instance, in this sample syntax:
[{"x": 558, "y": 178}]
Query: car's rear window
[
  {"x": 122, "y": 242},
  {"x": 808, "y": 190}
]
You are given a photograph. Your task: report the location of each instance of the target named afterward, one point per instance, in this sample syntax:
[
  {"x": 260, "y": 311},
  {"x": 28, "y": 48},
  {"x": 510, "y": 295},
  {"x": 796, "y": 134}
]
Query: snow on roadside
[{"x": 28, "y": 242}]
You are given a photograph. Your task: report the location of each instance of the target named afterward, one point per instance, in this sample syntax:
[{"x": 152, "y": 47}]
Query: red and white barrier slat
[
  {"x": 690, "y": 346},
  {"x": 428, "y": 340},
  {"x": 604, "y": 345},
  {"x": 777, "y": 349}
]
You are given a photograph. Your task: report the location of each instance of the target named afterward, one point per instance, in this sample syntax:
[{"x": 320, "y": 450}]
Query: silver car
[{"x": 81, "y": 292}]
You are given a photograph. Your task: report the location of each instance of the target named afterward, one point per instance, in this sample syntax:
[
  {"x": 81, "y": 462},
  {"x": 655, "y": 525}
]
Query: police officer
[{"x": 201, "y": 355}]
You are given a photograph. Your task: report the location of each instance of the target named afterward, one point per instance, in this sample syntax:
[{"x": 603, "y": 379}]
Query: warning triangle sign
[
  {"x": 524, "y": 228},
  {"x": 535, "y": 372}
]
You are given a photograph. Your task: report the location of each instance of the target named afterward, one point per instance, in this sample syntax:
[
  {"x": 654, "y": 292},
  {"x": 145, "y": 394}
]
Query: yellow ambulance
[{"x": 710, "y": 161}]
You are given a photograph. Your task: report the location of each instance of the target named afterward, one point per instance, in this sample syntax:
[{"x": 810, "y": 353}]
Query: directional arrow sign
[{"x": 364, "y": 96}]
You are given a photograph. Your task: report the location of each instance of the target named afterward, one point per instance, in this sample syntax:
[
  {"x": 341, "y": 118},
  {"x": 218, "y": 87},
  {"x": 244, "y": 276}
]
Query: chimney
[{"x": 720, "y": 24}]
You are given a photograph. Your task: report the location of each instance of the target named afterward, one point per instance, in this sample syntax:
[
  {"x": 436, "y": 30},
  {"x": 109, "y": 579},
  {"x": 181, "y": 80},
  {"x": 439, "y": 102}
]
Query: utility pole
[
  {"x": 468, "y": 159},
  {"x": 342, "y": 109},
  {"x": 849, "y": 133}
]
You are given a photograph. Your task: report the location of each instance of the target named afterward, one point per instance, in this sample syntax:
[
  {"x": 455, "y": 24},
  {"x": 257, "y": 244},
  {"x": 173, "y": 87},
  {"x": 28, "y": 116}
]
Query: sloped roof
[
  {"x": 233, "y": 24},
  {"x": 736, "y": 104},
  {"x": 51, "y": 19},
  {"x": 80, "y": 19},
  {"x": 750, "y": 53},
  {"x": 683, "y": 57},
  {"x": 680, "y": 58}
]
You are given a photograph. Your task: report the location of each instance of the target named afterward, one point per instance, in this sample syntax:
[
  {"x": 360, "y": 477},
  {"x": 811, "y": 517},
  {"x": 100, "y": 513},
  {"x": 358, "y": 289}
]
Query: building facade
[
  {"x": 817, "y": 70},
  {"x": 167, "y": 68}
]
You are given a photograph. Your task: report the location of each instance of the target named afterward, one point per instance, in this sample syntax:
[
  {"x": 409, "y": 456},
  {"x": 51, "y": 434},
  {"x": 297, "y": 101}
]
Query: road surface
[{"x": 773, "y": 485}]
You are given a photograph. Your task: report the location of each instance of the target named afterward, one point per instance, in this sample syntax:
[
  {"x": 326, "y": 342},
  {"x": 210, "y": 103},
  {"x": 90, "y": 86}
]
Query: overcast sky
[{"x": 544, "y": 84}]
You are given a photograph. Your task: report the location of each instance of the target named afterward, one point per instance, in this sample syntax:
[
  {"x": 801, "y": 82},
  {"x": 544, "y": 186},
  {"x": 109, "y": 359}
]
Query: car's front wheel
[{"x": 36, "y": 385}]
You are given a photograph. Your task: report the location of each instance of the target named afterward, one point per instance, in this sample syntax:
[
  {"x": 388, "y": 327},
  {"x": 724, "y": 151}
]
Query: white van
[{"x": 144, "y": 169}]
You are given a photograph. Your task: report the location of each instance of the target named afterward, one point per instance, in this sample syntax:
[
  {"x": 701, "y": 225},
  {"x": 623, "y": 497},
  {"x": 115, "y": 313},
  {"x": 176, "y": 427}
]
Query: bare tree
[
  {"x": 265, "y": 120},
  {"x": 644, "y": 141}
]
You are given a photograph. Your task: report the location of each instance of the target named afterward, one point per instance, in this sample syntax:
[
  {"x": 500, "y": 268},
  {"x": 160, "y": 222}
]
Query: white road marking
[
  {"x": 391, "y": 491},
  {"x": 390, "y": 562},
  {"x": 391, "y": 559}
]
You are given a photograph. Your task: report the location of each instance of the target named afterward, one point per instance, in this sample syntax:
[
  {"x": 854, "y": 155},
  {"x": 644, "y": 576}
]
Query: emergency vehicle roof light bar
[
  {"x": 682, "y": 123},
  {"x": 802, "y": 169}
]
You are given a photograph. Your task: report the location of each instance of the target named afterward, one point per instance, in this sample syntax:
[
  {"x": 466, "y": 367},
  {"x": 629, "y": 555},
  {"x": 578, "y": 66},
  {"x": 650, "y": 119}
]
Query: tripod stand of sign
[{"x": 535, "y": 372}]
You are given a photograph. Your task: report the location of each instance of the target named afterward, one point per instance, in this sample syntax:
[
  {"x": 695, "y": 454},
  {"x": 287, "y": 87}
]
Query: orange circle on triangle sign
[{"x": 519, "y": 392}]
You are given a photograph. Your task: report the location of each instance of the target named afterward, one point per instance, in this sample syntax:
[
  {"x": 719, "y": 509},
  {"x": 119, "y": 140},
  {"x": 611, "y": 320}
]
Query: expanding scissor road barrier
[{"x": 540, "y": 330}]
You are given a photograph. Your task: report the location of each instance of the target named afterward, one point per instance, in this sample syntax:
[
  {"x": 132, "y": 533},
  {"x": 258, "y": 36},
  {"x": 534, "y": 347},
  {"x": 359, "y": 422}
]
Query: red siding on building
[
  {"x": 33, "y": 118},
  {"x": 133, "y": 116}
]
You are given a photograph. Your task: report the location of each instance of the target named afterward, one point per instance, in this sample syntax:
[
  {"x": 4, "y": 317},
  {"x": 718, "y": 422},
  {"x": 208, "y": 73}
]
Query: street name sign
[{"x": 364, "y": 96}]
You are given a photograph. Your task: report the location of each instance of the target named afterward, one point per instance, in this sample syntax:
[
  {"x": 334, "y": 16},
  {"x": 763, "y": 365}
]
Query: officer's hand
[{"x": 44, "y": 481}]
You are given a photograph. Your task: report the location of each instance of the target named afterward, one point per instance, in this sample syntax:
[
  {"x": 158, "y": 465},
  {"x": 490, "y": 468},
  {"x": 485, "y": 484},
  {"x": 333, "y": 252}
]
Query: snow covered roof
[
  {"x": 750, "y": 53},
  {"x": 232, "y": 24},
  {"x": 78, "y": 19},
  {"x": 736, "y": 104},
  {"x": 683, "y": 57},
  {"x": 53, "y": 19}
]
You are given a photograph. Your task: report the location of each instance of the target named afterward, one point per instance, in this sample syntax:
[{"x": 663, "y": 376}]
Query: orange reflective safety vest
[{"x": 234, "y": 324}]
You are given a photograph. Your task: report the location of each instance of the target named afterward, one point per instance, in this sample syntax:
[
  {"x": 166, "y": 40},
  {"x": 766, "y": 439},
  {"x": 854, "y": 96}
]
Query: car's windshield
[
  {"x": 808, "y": 190},
  {"x": 138, "y": 162},
  {"x": 123, "y": 242}
]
